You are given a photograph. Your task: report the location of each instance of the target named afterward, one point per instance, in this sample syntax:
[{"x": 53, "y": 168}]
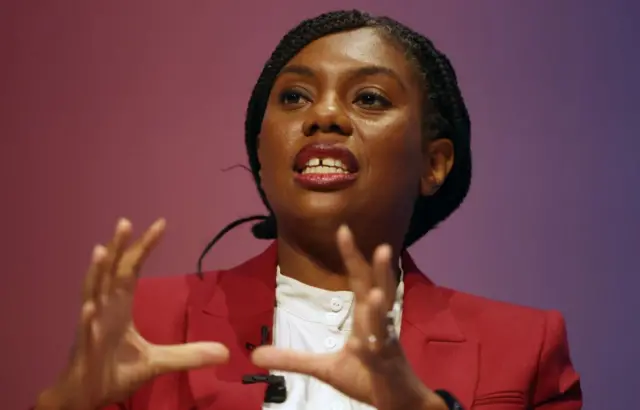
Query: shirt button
[
  {"x": 336, "y": 304},
  {"x": 330, "y": 342}
]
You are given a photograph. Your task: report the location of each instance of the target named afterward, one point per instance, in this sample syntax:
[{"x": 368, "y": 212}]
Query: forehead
[{"x": 351, "y": 49}]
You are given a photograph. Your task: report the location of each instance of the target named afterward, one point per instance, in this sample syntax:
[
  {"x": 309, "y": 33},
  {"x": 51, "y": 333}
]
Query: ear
[{"x": 438, "y": 158}]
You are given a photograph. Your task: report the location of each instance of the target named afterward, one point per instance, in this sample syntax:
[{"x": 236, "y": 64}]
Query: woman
[{"x": 358, "y": 140}]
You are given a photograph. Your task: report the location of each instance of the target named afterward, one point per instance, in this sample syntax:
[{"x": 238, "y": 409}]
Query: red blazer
[{"x": 490, "y": 355}]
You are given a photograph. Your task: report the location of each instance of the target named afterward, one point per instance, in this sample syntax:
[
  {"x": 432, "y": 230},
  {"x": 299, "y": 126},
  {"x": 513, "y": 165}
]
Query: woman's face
[{"x": 341, "y": 140}]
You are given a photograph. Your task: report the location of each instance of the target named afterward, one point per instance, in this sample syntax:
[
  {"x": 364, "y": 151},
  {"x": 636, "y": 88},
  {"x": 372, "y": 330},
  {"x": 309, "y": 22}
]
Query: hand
[
  {"x": 371, "y": 367},
  {"x": 111, "y": 359}
]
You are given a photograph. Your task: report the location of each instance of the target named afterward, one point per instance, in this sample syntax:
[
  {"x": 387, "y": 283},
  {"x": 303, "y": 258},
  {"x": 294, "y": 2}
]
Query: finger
[
  {"x": 85, "y": 329},
  {"x": 90, "y": 305},
  {"x": 357, "y": 267},
  {"x": 369, "y": 326},
  {"x": 176, "y": 358},
  {"x": 273, "y": 358},
  {"x": 383, "y": 276},
  {"x": 92, "y": 278},
  {"x": 115, "y": 249},
  {"x": 376, "y": 321},
  {"x": 134, "y": 257},
  {"x": 361, "y": 324}
]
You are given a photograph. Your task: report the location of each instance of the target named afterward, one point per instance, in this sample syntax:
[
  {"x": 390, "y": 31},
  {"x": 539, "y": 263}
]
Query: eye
[
  {"x": 372, "y": 99},
  {"x": 292, "y": 98}
]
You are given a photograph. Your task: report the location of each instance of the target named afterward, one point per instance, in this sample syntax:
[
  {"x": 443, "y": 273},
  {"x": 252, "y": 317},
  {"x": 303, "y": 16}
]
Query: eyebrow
[{"x": 369, "y": 70}]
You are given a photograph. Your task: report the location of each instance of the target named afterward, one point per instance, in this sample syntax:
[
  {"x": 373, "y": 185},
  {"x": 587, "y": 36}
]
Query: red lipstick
[{"x": 325, "y": 167}]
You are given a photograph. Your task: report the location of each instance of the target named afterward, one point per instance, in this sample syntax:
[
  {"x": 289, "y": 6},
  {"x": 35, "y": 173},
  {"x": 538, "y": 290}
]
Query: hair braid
[{"x": 445, "y": 114}]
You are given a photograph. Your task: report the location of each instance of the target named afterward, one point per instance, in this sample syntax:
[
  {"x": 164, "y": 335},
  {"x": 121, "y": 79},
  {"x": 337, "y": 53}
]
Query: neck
[
  {"x": 322, "y": 267},
  {"x": 320, "y": 272}
]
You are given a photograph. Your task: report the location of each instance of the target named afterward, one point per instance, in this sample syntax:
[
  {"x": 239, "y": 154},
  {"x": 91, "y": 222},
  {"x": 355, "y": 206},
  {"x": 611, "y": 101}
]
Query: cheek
[
  {"x": 275, "y": 145},
  {"x": 395, "y": 152}
]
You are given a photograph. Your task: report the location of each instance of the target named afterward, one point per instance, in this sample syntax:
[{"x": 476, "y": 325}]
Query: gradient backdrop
[{"x": 122, "y": 108}]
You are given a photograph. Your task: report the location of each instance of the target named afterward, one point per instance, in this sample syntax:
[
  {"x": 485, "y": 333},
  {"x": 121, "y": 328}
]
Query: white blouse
[{"x": 315, "y": 320}]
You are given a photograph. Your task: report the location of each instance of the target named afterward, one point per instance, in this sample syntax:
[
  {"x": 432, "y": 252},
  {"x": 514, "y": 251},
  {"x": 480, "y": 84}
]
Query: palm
[
  {"x": 124, "y": 359},
  {"x": 347, "y": 373},
  {"x": 367, "y": 368},
  {"x": 347, "y": 370},
  {"x": 111, "y": 359}
]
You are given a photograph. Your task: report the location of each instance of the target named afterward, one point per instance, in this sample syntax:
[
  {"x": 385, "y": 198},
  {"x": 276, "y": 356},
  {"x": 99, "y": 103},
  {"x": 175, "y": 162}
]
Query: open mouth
[{"x": 325, "y": 167}]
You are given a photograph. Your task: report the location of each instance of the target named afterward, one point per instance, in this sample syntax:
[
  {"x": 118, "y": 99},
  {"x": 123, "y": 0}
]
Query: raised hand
[
  {"x": 110, "y": 358},
  {"x": 371, "y": 367}
]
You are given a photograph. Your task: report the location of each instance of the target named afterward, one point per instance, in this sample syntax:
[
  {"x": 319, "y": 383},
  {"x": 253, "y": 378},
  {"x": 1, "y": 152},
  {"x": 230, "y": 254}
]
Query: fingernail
[
  {"x": 159, "y": 224},
  {"x": 343, "y": 231},
  {"x": 385, "y": 251},
  {"x": 99, "y": 252},
  {"x": 123, "y": 223}
]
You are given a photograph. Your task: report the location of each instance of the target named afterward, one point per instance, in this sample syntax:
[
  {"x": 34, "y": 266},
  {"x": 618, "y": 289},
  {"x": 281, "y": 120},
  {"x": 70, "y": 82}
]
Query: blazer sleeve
[{"x": 557, "y": 382}]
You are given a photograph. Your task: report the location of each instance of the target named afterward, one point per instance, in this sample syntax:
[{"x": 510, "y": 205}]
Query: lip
[{"x": 328, "y": 181}]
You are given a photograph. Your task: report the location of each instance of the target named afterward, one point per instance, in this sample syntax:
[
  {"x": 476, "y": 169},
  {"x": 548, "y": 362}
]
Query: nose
[{"x": 328, "y": 116}]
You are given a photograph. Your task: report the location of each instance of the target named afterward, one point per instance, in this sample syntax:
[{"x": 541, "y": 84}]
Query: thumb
[
  {"x": 273, "y": 358},
  {"x": 176, "y": 358}
]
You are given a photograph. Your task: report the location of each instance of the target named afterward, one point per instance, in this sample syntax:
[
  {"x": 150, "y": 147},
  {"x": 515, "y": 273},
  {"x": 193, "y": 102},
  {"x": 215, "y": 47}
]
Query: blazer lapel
[
  {"x": 439, "y": 353},
  {"x": 232, "y": 307}
]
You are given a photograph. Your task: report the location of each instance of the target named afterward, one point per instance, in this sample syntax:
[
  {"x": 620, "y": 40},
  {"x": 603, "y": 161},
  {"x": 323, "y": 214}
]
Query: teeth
[
  {"x": 324, "y": 166},
  {"x": 324, "y": 170}
]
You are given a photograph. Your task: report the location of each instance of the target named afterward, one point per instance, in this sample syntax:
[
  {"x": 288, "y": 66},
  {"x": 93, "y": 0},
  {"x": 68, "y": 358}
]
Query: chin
[
  {"x": 328, "y": 204},
  {"x": 317, "y": 214}
]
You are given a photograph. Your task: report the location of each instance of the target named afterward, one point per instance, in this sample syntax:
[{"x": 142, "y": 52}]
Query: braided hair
[{"x": 445, "y": 115}]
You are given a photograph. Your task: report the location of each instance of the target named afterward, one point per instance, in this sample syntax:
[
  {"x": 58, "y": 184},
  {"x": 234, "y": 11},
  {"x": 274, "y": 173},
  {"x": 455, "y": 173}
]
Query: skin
[
  {"x": 330, "y": 93},
  {"x": 330, "y": 104},
  {"x": 110, "y": 359}
]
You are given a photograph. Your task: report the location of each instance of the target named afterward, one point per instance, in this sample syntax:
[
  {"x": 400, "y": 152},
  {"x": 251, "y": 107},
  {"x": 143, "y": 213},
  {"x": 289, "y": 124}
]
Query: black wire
[
  {"x": 223, "y": 232},
  {"x": 232, "y": 167}
]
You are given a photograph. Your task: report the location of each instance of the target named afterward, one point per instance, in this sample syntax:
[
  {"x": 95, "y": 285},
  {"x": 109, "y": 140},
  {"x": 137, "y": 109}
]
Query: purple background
[{"x": 118, "y": 108}]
